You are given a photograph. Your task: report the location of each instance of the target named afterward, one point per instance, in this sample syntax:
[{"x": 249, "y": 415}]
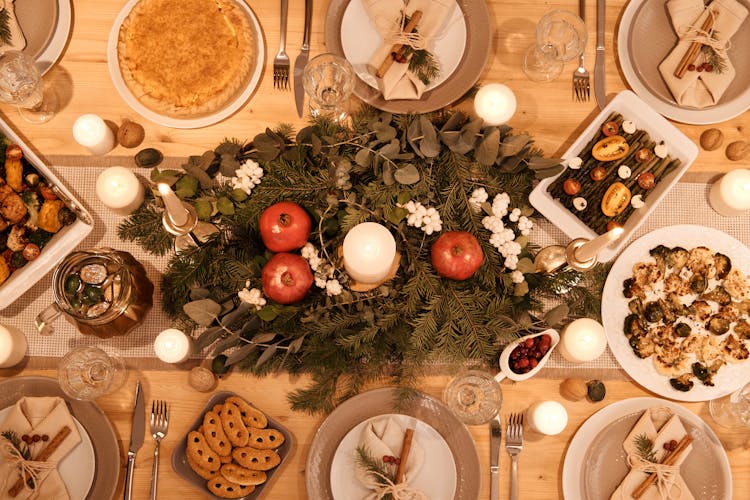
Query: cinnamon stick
[
  {"x": 669, "y": 459},
  {"x": 405, "y": 449},
  {"x": 47, "y": 452},
  {"x": 692, "y": 51},
  {"x": 398, "y": 48}
]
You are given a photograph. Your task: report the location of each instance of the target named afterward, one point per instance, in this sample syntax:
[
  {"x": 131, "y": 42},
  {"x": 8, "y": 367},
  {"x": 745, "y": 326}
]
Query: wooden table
[{"x": 83, "y": 84}]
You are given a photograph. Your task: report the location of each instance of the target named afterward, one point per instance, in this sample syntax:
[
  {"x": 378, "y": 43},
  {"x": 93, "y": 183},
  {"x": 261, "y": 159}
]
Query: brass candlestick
[{"x": 554, "y": 258}]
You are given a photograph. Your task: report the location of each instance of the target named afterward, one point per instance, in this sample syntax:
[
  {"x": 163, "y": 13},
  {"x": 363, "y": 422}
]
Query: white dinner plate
[
  {"x": 360, "y": 40},
  {"x": 46, "y": 35},
  {"x": 730, "y": 377},
  {"x": 190, "y": 122},
  {"x": 645, "y": 37},
  {"x": 595, "y": 462},
  {"x": 436, "y": 478},
  {"x": 78, "y": 466}
]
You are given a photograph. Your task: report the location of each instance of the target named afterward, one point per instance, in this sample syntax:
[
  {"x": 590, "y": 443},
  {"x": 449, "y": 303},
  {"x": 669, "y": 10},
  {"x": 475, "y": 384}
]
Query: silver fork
[
  {"x": 159, "y": 426},
  {"x": 281, "y": 61},
  {"x": 514, "y": 445},
  {"x": 581, "y": 84}
]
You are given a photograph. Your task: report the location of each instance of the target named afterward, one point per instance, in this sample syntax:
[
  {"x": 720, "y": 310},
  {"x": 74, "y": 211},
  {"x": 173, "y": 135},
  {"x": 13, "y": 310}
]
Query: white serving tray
[{"x": 645, "y": 118}]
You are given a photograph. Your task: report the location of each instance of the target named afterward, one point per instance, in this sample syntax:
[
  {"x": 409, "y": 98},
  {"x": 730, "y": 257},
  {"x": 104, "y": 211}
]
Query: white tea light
[
  {"x": 547, "y": 417},
  {"x": 173, "y": 205},
  {"x": 582, "y": 340},
  {"x": 12, "y": 346},
  {"x": 119, "y": 189},
  {"x": 730, "y": 195},
  {"x": 91, "y": 132},
  {"x": 590, "y": 249},
  {"x": 495, "y": 103},
  {"x": 369, "y": 251},
  {"x": 173, "y": 346}
]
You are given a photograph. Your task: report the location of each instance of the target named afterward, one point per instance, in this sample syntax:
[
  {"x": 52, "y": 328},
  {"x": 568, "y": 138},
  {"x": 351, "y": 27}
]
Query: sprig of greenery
[
  {"x": 423, "y": 64},
  {"x": 375, "y": 467},
  {"x": 645, "y": 447},
  {"x": 6, "y": 37},
  {"x": 712, "y": 57},
  {"x": 20, "y": 446}
]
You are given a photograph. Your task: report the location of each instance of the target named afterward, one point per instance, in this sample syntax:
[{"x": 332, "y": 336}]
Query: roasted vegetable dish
[
  {"x": 689, "y": 313},
  {"x": 30, "y": 211}
]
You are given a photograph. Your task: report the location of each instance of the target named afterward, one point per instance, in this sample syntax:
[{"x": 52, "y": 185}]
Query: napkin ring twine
[
  {"x": 400, "y": 491},
  {"x": 696, "y": 34},
  {"x": 33, "y": 471},
  {"x": 666, "y": 475},
  {"x": 394, "y": 34}
]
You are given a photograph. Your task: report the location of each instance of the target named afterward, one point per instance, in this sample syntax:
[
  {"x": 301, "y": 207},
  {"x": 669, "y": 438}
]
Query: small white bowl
[{"x": 505, "y": 370}]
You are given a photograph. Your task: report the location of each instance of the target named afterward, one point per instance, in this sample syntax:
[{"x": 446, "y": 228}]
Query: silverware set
[{"x": 513, "y": 446}]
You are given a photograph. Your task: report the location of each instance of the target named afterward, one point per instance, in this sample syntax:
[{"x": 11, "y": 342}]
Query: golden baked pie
[{"x": 186, "y": 57}]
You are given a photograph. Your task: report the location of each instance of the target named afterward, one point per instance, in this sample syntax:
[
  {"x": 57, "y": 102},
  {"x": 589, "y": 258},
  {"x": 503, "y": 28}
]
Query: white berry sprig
[
  {"x": 424, "y": 218},
  {"x": 324, "y": 271},
  {"x": 252, "y": 296},
  {"x": 247, "y": 176}
]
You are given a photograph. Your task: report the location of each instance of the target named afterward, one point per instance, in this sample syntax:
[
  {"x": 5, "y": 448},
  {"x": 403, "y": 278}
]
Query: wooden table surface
[{"x": 83, "y": 85}]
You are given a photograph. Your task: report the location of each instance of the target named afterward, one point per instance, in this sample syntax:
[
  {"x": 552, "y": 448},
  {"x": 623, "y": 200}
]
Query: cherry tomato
[
  {"x": 571, "y": 186},
  {"x": 643, "y": 155},
  {"x": 598, "y": 173},
  {"x": 47, "y": 193},
  {"x": 613, "y": 224},
  {"x": 610, "y": 128},
  {"x": 646, "y": 180},
  {"x": 31, "y": 251}
]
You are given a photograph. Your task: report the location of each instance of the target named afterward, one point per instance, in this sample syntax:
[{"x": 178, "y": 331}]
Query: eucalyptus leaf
[
  {"x": 317, "y": 144},
  {"x": 229, "y": 165},
  {"x": 199, "y": 293},
  {"x": 455, "y": 122},
  {"x": 541, "y": 163},
  {"x": 488, "y": 147},
  {"x": 228, "y": 147},
  {"x": 225, "y": 343},
  {"x": 414, "y": 135},
  {"x": 397, "y": 215},
  {"x": 511, "y": 163},
  {"x": 514, "y": 144},
  {"x": 408, "y": 174},
  {"x": 239, "y": 354},
  {"x": 207, "y": 158},
  {"x": 263, "y": 338},
  {"x": 403, "y": 197},
  {"x": 165, "y": 176},
  {"x": 266, "y": 355},
  {"x": 548, "y": 172},
  {"x": 557, "y": 315},
  {"x": 208, "y": 337},
  {"x": 228, "y": 319},
  {"x": 522, "y": 240},
  {"x": 268, "y": 313},
  {"x": 526, "y": 266},
  {"x": 199, "y": 174},
  {"x": 363, "y": 158},
  {"x": 203, "y": 311},
  {"x": 527, "y": 211},
  {"x": 450, "y": 138},
  {"x": 388, "y": 178},
  {"x": 296, "y": 344},
  {"x": 429, "y": 146},
  {"x": 391, "y": 149},
  {"x": 385, "y": 133}
]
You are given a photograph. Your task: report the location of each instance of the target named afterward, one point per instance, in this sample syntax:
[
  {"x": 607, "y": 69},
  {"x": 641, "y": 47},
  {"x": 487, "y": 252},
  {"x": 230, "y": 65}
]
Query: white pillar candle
[
  {"x": 590, "y": 249},
  {"x": 173, "y": 346},
  {"x": 582, "y": 340},
  {"x": 495, "y": 103},
  {"x": 119, "y": 189},
  {"x": 173, "y": 205},
  {"x": 12, "y": 346},
  {"x": 730, "y": 195},
  {"x": 547, "y": 417},
  {"x": 91, "y": 132},
  {"x": 369, "y": 251}
]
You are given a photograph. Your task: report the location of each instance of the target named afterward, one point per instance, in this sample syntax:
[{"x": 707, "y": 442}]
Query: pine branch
[
  {"x": 6, "y": 37},
  {"x": 145, "y": 227},
  {"x": 21, "y": 447},
  {"x": 645, "y": 447}
]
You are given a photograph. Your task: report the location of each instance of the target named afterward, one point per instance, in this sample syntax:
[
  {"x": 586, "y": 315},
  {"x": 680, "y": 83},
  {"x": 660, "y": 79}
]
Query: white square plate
[{"x": 631, "y": 107}]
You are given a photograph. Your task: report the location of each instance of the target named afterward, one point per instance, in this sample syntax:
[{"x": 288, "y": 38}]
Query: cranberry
[
  {"x": 26, "y": 438},
  {"x": 530, "y": 343},
  {"x": 700, "y": 68},
  {"x": 691, "y": 67},
  {"x": 522, "y": 363},
  {"x": 45, "y": 438},
  {"x": 708, "y": 67},
  {"x": 36, "y": 438},
  {"x": 533, "y": 362},
  {"x": 386, "y": 459}
]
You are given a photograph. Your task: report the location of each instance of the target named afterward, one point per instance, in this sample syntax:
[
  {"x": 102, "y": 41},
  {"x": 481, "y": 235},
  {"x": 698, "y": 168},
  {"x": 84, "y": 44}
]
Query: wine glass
[
  {"x": 560, "y": 37},
  {"x": 732, "y": 410},
  {"x": 88, "y": 372},
  {"x": 329, "y": 81},
  {"x": 21, "y": 84},
  {"x": 474, "y": 397}
]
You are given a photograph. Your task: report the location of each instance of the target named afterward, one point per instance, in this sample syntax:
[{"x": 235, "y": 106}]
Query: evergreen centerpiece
[{"x": 418, "y": 175}]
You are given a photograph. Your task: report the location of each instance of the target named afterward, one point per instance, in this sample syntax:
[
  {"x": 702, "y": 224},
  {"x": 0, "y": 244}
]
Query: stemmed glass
[
  {"x": 560, "y": 37},
  {"x": 732, "y": 410},
  {"x": 21, "y": 84},
  {"x": 88, "y": 372},
  {"x": 329, "y": 81},
  {"x": 474, "y": 397}
]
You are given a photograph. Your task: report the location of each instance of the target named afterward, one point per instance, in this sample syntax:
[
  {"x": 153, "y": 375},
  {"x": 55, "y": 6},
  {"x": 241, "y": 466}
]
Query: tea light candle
[
  {"x": 590, "y": 249},
  {"x": 173, "y": 346},
  {"x": 119, "y": 189},
  {"x": 547, "y": 417},
  {"x": 12, "y": 346},
  {"x": 172, "y": 203},
  {"x": 91, "y": 132},
  {"x": 369, "y": 250},
  {"x": 730, "y": 195},
  {"x": 582, "y": 340},
  {"x": 495, "y": 103}
]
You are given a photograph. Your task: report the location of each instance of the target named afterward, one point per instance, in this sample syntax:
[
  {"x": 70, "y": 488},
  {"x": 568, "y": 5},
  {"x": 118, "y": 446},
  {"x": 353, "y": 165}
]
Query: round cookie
[
  {"x": 242, "y": 476},
  {"x": 223, "y": 488},
  {"x": 199, "y": 450},
  {"x": 201, "y": 471},
  {"x": 252, "y": 458},
  {"x": 252, "y": 416},
  {"x": 265, "y": 439},
  {"x": 215, "y": 435},
  {"x": 234, "y": 427}
]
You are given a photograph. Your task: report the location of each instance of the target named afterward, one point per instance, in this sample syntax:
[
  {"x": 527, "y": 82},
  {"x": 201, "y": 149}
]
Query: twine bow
[
  {"x": 394, "y": 34},
  {"x": 666, "y": 475},
  {"x": 33, "y": 471},
  {"x": 400, "y": 491},
  {"x": 705, "y": 37}
]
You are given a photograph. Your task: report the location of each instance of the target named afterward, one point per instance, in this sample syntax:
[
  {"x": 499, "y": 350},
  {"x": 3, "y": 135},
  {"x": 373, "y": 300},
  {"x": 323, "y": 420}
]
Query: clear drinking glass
[
  {"x": 21, "y": 84},
  {"x": 732, "y": 410},
  {"x": 474, "y": 397},
  {"x": 88, "y": 372},
  {"x": 560, "y": 37},
  {"x": 329, "y": 82}
]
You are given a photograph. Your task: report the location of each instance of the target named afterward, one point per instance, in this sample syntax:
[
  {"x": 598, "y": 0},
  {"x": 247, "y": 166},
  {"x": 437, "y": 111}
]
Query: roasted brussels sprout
[
  {"x": 677, "y": 258},
  {"x": 723, "y": 265},
  {"x": 717, "y": 325},
  {"x": 642, "y": 346},
  {"x": 719, "y": 295},
  {"x": 742, "y": 329},
  {"x": 667, "y": 312},
  {"x": 682, "y": 329},
  {"x": 703, "y": 374},
  {"x": 653, "y": 312},
  {"x": 660, "y": 254},
  {"x": 633, "y": 326},
  {"x": 636, "y": 306},
  {"x": 698, "y": 283},
  {"x": 628, "y": 288},
  {"x": 683, "y": 383}
]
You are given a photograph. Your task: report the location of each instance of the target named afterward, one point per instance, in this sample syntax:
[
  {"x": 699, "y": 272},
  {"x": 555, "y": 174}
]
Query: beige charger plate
[
  {"x": 645, "y": 37},
  {"x": 384, "y": 401},
  {"x": 466, "y": 74},
  {"x": 90, "y": 416},
  {"x": 46, "y": 34}
]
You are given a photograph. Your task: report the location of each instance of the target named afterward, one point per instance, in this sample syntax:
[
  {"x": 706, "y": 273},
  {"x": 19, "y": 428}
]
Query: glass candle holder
[
  {"x": 474, "y": 397},
  {"x": 88, "y": 373},
  {"x": 329, "y": 82}
]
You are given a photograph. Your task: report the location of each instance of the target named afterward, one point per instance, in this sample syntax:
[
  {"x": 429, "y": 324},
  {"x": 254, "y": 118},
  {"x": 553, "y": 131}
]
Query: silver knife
[
  {"x": 301, "y": 61},
  {"x": 599, "y": 83},
  {"x": 494, "y": 458},
  {"x": 136, "y": 437}
]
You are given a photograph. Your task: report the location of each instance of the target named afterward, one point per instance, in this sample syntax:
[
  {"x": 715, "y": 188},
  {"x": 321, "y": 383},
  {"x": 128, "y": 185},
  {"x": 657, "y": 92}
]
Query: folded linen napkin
[
  {"x": 384, "y": 437},
  {"x": 398, "y": 82},
  {"x": 39, "y": 415},
  {"x": 17, "y": 40},
  {"x": 674, "y": 487},
  {"x": 701, "y": 89}
]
